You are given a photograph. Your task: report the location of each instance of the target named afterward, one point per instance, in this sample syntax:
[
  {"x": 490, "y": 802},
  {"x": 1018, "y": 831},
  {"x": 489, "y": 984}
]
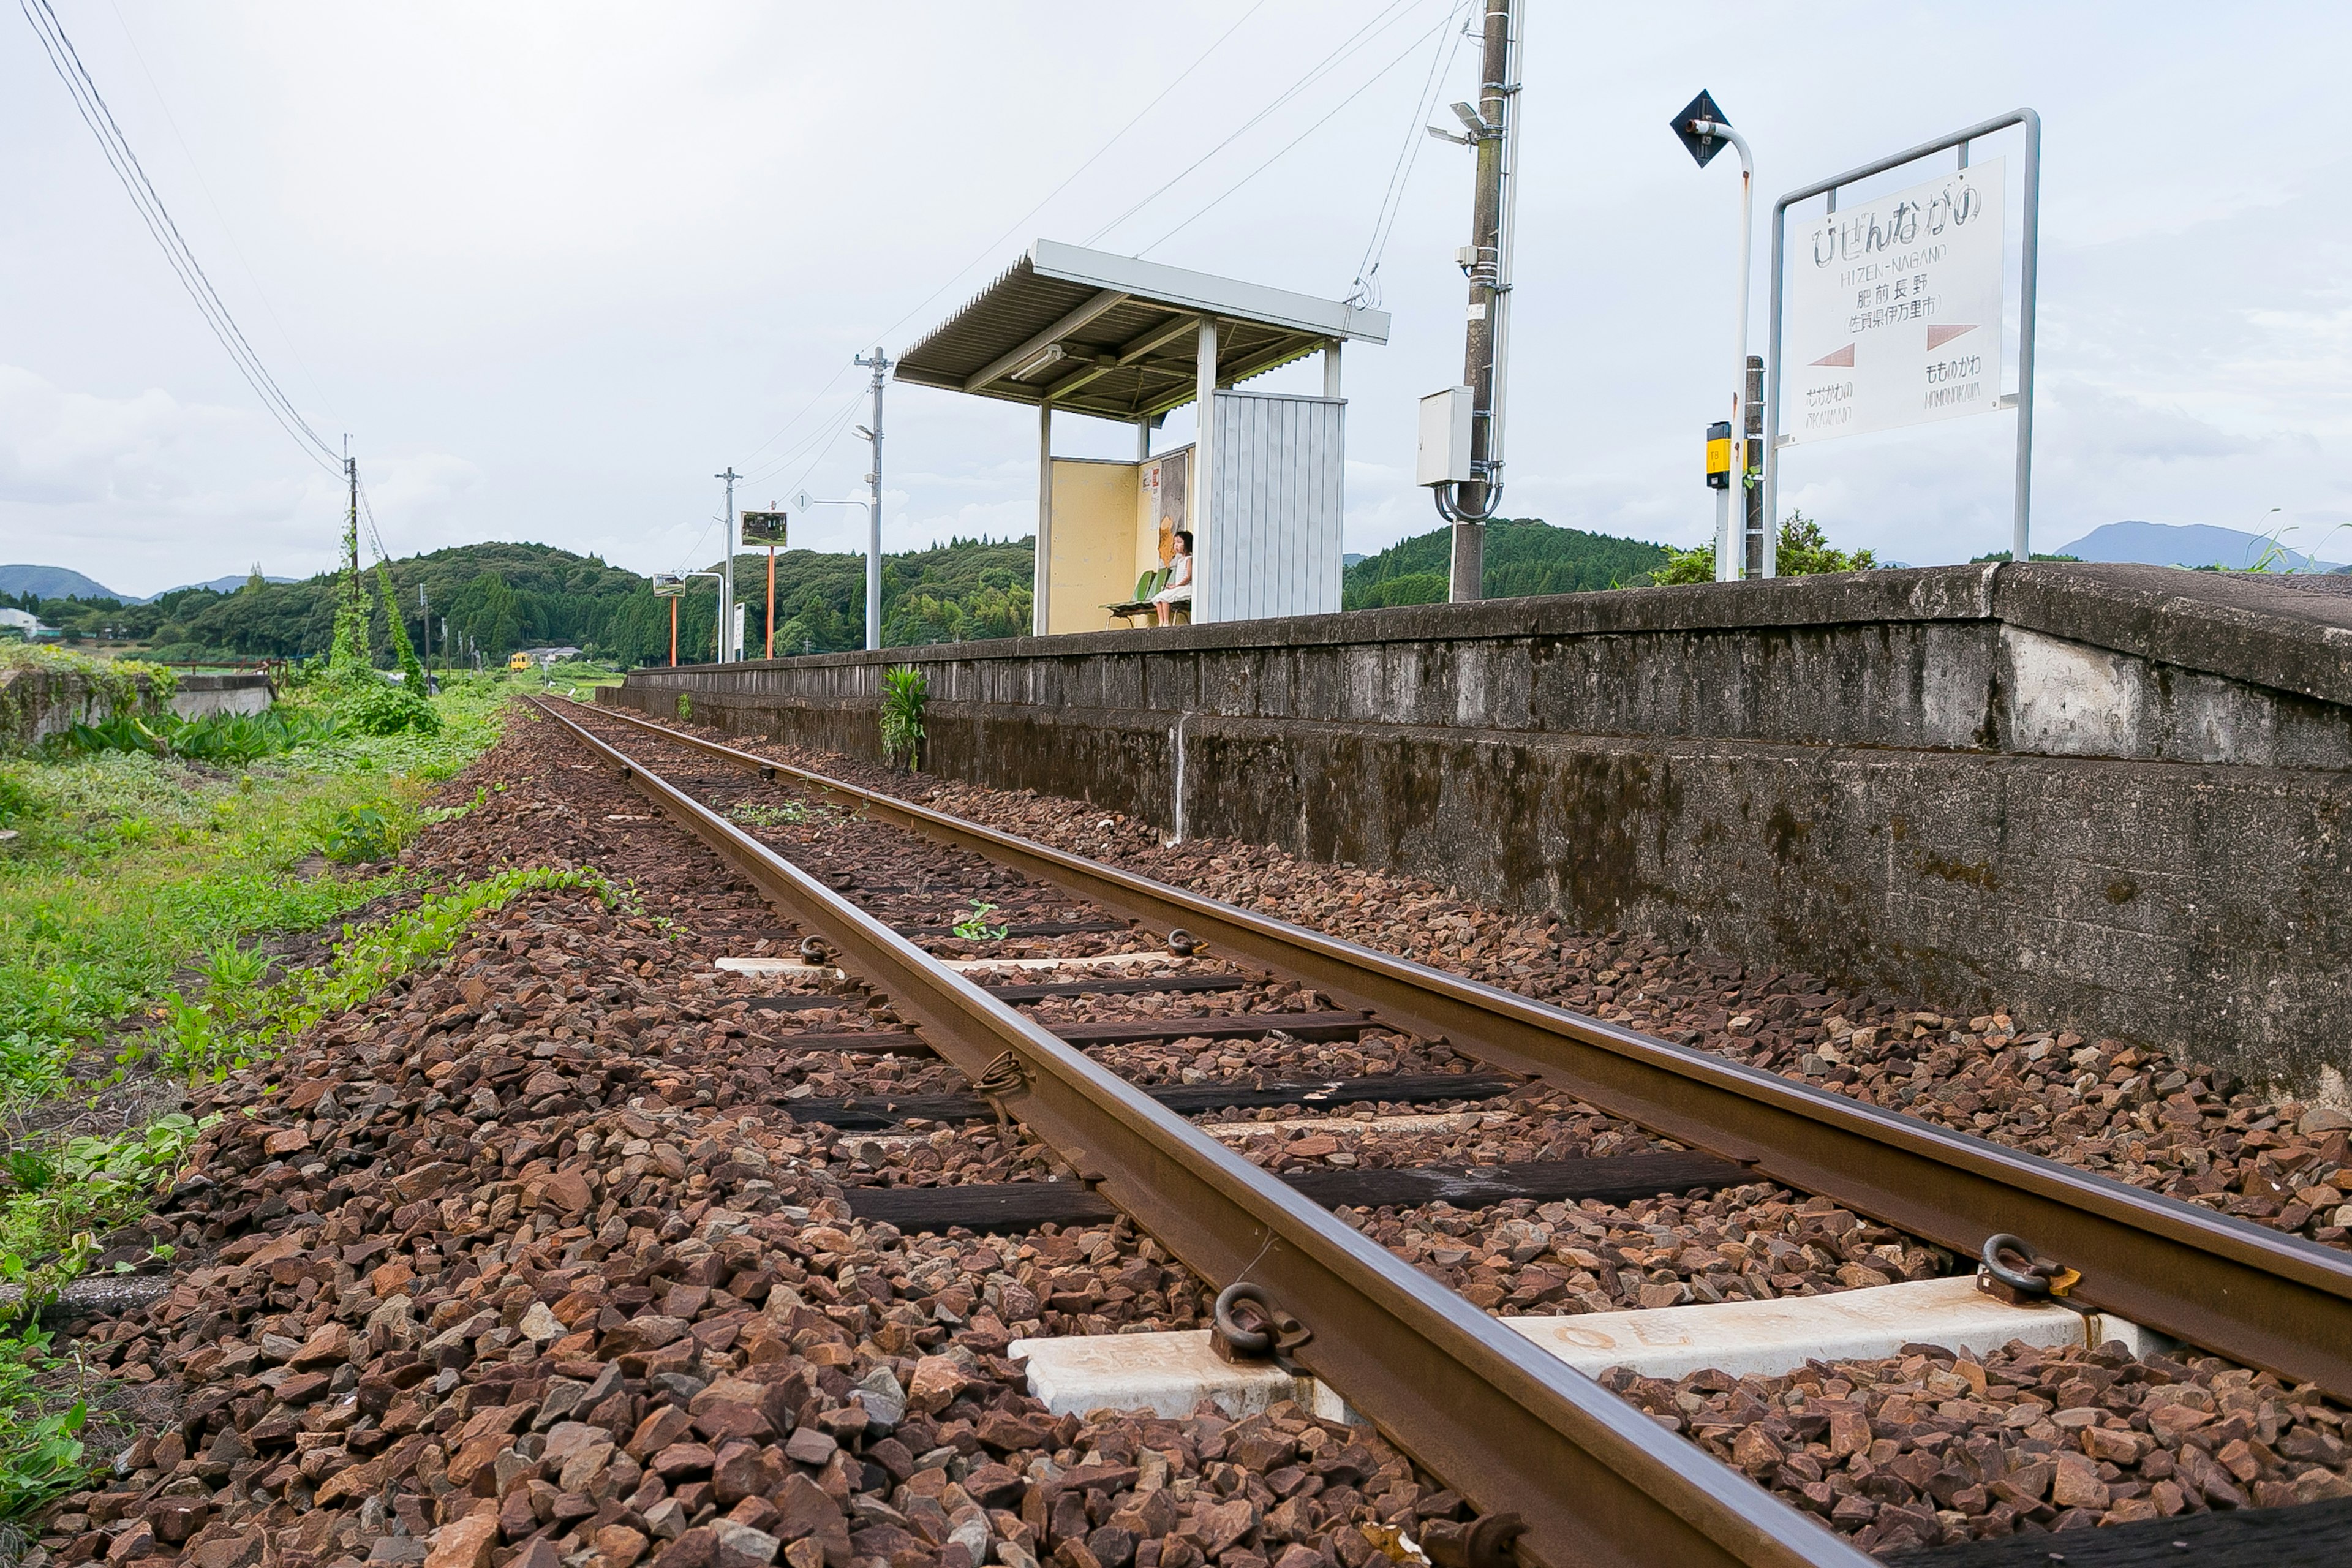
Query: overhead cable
[
  {"x": 1384, "y": 219},
  {"x": 1379, "y": 23},
  {"x": 91, "y": 105},
  {"x": 1322, "y": 121},
  {"x": 1014, "y": 227}
]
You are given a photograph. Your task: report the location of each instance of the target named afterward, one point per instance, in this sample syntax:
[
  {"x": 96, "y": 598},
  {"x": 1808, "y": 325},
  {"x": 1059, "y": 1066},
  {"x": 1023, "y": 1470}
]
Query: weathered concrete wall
[
  {"x": 201, "y": 696},
  {"x": 36, "y": 703},
  {"x": 2113, "y": 797}
]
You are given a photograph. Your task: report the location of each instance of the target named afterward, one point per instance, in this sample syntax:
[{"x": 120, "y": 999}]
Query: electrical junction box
[{"x": 1444, "y": 452}]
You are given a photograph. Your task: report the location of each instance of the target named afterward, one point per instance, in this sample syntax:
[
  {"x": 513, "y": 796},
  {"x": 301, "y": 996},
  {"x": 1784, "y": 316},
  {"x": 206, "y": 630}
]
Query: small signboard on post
[
  {"x": 1893, "y": 308},
  {"x": 763, "y": 528}
]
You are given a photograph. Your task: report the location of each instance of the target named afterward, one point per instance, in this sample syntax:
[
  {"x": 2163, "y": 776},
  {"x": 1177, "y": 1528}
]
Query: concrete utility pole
[
  {"x": 1494, "y": 130},
  {"x": 727, "y": 648},
  {"x": 880, "y": 364}
]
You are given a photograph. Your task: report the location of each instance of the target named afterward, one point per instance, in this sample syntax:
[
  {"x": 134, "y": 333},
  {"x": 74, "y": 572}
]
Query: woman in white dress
[{"x": 1180, "y": 580}]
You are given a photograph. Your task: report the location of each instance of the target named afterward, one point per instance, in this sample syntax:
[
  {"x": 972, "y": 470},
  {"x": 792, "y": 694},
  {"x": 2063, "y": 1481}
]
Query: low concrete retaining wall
[
  {"x": 2115, "y": 797},
  {"x": 201, "y": 696},
  {"x": 36, "y": 703}
]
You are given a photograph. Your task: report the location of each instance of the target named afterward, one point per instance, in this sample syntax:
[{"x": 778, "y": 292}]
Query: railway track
[{"x": 1587, "y": 1476}]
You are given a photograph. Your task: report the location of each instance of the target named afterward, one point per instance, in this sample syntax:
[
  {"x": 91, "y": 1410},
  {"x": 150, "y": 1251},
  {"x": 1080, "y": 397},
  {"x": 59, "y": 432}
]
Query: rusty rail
[
  {"x": 1508, "y": 1426},
  {"x": 2256, "y": 1295}
]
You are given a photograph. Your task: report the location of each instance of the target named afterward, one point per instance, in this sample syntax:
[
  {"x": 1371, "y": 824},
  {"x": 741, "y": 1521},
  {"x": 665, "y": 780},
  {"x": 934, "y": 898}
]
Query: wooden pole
[{"x": 771, "y": 601}]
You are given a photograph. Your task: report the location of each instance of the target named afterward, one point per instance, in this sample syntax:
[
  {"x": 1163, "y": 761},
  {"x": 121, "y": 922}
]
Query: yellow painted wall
[{"x": 1095, "y": 506}]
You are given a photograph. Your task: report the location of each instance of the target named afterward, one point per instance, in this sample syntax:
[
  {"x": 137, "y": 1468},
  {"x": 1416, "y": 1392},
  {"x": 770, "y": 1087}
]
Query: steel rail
[
  {"x": 1507, "y": 1426},
  {"x": 2258, "y": 1296}
]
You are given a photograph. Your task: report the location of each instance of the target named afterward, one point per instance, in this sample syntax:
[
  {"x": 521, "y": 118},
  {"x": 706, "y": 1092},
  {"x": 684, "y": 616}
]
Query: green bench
[{"x": 1147, "y": 585}]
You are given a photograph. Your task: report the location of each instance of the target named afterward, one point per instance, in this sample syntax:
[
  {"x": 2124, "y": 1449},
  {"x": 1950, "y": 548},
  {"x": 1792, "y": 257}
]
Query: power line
[
  {"x": 92, "y": 105},
  {"x": 1013, "y": 228},
  {"x": 1381, "y": 22},
  {"x": 226, "y": 232},
  {"x": 1324, "y": 120},
  {"x": 1391, "y": 205},
  {"x": 793, "y": 454}
]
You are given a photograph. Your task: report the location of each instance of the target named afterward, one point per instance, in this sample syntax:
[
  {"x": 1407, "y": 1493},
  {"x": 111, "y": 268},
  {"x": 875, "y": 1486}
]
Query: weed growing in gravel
[
  {"x": 975, "y": 927},
  {"x": 41, "y": 1450},
  {"x": 226, "y": 1027},
  {"x": 792, "y": 811}
]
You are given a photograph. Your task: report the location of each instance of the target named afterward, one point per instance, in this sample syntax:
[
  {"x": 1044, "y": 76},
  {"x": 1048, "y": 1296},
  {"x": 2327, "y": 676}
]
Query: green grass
[{"x": 135, "y": 900}]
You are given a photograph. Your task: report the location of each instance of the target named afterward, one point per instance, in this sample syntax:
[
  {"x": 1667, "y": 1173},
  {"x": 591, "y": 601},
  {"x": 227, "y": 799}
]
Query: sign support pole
[
  {"x": 2020, "y": 505},
  {"x": 1731, "y": 502},
  {"x": 2021, "y": 516}
]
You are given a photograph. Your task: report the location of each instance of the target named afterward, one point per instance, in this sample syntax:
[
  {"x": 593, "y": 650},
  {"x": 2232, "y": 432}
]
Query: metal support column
[
  {"x": 1206, "y": 595},
  {"x": 1041, "y": 599}
]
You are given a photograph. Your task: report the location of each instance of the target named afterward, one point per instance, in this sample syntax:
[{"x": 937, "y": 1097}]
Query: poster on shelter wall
[
  {"x": 1895, "y": 310},
  {"x": 1163, "y": 499}
]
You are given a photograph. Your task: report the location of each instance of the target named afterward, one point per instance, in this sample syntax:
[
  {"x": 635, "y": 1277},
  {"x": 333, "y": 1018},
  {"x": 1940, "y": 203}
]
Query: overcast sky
[{"x": 555, "y": 265}]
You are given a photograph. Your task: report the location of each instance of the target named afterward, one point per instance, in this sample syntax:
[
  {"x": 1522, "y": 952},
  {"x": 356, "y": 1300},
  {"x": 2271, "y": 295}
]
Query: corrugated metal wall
[{"x": 1275, "y": 507}]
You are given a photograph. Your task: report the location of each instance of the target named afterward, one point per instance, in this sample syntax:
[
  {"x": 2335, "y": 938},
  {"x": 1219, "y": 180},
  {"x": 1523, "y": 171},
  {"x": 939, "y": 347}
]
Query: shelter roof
[{"x": 1115, "y": 336}]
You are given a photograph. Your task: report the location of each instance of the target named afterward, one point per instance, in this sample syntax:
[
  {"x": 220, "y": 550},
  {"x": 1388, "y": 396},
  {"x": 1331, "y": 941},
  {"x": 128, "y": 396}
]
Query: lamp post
[
  {"x": 1703, "y": 129},
  {"x": 803, "y": 501}
]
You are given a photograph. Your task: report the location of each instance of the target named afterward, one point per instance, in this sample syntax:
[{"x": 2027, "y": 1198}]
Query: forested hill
[
  {"x": 1523, "y": 557},
  {"x": 498, "y": 597}
]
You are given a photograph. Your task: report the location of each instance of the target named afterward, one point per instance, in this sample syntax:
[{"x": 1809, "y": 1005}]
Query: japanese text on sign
[{"x": 1895, "y": 308}]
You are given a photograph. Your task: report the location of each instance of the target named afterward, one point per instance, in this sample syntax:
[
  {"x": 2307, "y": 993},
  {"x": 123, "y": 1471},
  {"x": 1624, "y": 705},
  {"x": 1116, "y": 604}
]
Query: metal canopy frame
[
  {"x": 1116, "y": 337},
  {"x": 2021, "y": 515}
]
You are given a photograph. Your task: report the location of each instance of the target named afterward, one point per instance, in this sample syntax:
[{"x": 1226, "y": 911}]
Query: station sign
[
  {"x": 1895, "y": 310},
  {"x": 763, "y": 528}
]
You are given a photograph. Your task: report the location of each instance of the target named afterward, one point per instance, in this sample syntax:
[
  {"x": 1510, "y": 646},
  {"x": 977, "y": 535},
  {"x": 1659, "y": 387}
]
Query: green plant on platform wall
[{"x": 903, "y": 692}]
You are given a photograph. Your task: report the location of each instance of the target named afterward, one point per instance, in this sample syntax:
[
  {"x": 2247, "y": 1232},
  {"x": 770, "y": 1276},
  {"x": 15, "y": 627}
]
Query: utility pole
[
  {"x": 1492, "y": 128},
  {"x": 727, "y": 570},
  {"x": 1758, "y": 555},
  {"x": 880, "y": 365}
]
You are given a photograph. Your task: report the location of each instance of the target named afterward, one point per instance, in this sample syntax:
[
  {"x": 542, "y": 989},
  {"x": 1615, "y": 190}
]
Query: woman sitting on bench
[{"x": 1180, "y": 580}]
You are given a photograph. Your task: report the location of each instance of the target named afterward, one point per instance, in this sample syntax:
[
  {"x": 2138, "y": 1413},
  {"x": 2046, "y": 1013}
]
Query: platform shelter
[{"x": 1261, "y": 487}]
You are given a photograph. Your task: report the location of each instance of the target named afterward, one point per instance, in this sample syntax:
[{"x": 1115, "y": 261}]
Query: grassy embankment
[{"x": 142, "y": 896}]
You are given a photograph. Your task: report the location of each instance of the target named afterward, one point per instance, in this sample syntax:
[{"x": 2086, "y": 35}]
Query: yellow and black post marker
[{"x": 1719, "y": 455}]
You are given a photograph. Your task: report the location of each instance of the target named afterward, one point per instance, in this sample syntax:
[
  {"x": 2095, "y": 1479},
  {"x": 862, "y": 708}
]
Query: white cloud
[{"x": 557, "y": 264}]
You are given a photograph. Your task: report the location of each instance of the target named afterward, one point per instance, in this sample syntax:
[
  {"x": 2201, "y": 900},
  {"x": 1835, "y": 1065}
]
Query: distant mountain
[
  {"x": 55, "y": 582},
  {"x": 228, "y": 585},
  {"x": 2187, "y": 544}
]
